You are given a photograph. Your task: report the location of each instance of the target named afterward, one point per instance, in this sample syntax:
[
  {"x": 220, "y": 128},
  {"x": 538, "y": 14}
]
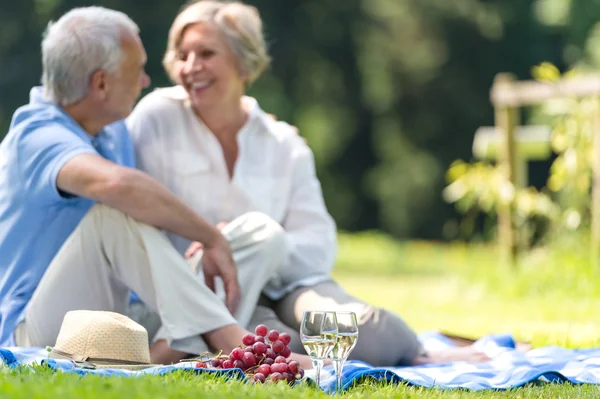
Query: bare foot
[
  {"x": 461, "y": 354},
  {"x": 161, "y": 353}
]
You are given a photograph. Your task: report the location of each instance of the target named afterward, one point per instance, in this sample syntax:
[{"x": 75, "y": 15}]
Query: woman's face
[{"x": 207, "y": 68}]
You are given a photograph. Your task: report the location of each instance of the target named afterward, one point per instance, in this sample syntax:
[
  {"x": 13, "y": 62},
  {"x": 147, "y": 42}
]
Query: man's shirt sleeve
[{"x": 42, "y": 152}]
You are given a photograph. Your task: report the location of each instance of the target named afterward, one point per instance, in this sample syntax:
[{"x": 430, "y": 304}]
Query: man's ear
[{"x": 99, "y": 84}]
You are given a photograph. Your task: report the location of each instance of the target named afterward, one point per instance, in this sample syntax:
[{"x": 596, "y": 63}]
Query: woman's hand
[
  {"x": 192, "y": 249},
  {"x": 196, "y": 246}
]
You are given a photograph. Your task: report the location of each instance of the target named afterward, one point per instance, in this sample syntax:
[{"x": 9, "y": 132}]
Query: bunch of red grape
[{"x": 264, "y": 357}]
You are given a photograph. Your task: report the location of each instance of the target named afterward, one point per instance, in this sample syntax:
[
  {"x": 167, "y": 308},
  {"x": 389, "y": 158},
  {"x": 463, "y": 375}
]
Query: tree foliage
[
  {"x": 388, "y": 93},
  {"x": 565, "y": 201}
]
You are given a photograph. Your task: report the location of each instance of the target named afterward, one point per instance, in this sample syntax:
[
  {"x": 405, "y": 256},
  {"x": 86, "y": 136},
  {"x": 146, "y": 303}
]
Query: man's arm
[
  {"x": 140, "y": 196},
  {"x": 135, "y": 193}
]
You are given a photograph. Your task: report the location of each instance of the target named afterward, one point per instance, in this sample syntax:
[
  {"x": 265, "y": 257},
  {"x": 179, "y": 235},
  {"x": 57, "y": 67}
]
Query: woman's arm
[{"x": 310, "y": 230}]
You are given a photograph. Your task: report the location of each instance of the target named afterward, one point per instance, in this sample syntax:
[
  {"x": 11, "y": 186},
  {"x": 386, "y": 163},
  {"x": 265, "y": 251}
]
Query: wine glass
[
  {"x": 346, "y": 341},
  {"x": 318, "y": 333}
]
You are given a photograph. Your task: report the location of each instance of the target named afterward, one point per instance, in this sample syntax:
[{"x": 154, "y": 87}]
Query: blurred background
[{"x": 388, "y": 93}]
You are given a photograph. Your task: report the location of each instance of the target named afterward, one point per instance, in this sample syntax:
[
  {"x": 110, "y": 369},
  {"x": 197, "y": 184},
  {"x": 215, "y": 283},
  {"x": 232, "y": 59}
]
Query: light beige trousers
[{"x": 110, "y": 253}]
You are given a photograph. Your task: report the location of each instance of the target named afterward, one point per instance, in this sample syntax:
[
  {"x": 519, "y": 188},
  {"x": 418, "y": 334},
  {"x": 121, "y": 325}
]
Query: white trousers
[{"x": 110, "y": 253}]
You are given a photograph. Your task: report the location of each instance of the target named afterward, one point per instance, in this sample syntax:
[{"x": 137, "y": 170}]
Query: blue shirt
[{"x": 35, "y": 219}]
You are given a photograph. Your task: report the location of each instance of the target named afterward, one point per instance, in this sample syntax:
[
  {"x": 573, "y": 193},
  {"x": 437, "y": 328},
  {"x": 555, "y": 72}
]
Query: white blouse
[{"x": 274, "y": 174}]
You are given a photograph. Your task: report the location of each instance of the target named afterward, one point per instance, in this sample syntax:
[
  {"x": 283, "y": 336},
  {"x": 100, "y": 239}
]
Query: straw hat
[{"x": 98, "y": 339}]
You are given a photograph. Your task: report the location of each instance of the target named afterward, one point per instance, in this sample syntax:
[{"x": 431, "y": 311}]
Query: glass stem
[
  {"x": 338, "y": 366},
  {"x": 318, "y": 365}
]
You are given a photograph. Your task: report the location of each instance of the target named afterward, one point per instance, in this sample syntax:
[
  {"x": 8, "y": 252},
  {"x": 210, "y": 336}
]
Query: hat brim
[
  {"x": 126, "y": 367},
  {"x": 91, "y": 365}
]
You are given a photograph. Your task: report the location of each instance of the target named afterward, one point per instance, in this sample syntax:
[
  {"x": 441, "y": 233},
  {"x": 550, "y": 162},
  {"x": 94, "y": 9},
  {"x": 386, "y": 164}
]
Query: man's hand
[
  {"x": 217, "y": 261},
  {"x": 294, "y": 128}
]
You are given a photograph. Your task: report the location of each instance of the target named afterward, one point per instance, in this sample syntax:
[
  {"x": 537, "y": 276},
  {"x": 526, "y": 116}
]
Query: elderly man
[{"x": 81, "y": 227}]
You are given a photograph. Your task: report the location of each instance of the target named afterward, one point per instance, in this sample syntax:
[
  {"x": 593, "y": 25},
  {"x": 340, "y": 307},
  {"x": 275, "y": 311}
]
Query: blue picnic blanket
[{"x": 509, "y": 368}]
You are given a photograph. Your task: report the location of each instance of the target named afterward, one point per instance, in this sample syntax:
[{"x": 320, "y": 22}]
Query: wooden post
[
  {"x": 506, "y": 120},
  {"x": 531, "y": 143},
  {"x": 506, "y": 96},
  {"x": 595, "y": 239}
]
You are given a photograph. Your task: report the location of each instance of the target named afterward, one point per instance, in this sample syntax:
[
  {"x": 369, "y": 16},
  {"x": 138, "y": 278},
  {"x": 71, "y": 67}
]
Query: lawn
[{"x": 551, "y": 299}]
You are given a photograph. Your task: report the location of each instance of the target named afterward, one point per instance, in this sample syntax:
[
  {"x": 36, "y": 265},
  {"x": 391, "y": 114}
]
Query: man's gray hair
[{"x": 81, "y": 42}]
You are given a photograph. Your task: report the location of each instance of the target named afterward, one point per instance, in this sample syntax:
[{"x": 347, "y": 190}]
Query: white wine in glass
[
  {"x": 319, "y": 348},
  {"x": 318, "y": 333},
  {"x": 344, "y": 345},
  {"x": 346, "y": 341}
]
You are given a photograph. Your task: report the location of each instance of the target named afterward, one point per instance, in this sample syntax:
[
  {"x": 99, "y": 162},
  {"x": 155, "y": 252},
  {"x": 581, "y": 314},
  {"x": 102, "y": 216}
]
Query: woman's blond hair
[{"x": 241, "y": 26}]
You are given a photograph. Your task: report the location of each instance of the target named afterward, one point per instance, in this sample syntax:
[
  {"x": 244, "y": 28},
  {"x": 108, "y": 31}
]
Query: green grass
[
  {"x": 45, "y": 384},
  {"x": 553, "y": 298}
]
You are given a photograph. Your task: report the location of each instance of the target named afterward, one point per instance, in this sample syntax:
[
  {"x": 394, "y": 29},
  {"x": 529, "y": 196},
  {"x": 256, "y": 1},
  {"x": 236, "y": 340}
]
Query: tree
[{"x": 388, "y": 93}]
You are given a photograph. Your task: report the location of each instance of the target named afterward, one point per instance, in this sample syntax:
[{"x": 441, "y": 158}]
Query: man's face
[{"x": 126, "y": 86}]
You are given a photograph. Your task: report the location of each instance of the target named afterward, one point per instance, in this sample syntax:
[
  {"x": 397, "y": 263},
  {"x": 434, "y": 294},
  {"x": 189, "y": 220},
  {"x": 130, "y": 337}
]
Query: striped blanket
[{"x": 509, "y": 368}]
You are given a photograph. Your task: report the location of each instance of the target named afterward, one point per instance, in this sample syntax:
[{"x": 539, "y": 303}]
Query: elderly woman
[{"x": 225, "y": 157}]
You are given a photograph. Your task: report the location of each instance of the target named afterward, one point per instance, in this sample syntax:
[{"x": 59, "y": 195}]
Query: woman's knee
[{"x": 265, "y": 234}]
